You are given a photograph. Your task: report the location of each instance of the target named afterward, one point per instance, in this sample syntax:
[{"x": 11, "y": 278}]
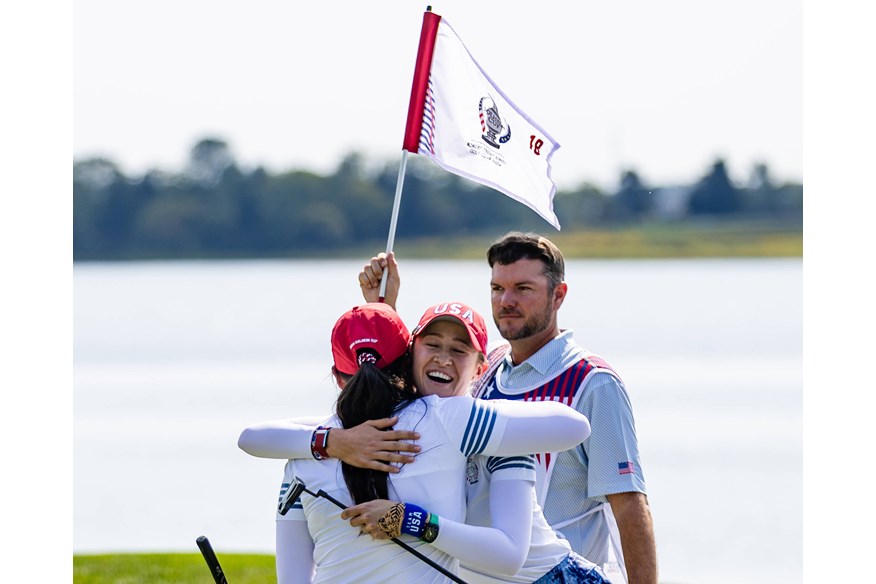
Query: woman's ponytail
[{"x": 371, "y": 394}]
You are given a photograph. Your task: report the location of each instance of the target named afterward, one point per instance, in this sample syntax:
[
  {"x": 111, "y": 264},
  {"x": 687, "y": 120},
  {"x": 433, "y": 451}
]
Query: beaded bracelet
[
  {"x": 391, "y": 522},
  {"x": 410, "y": 519}
]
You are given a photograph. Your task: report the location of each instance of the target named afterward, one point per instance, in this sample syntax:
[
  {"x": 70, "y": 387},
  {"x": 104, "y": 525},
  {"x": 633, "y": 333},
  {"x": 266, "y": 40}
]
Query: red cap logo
[
  {"x": 462, "y": 313},
  {"x": 375, "y": 327}
]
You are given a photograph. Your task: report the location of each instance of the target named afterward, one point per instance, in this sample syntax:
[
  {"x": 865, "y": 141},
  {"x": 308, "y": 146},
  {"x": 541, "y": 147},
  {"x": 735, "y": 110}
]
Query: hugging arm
[
  {"x": 541, "y": 427},
  {"x": 508, "y": 428},
  {"x": 367, "y": 445},
  {"x": 283, "y": 439},
  {"x": 500, "y": 549}
]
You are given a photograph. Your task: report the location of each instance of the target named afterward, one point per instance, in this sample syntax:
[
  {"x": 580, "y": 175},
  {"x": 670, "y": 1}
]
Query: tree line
[{"x": 213, "y": 208}]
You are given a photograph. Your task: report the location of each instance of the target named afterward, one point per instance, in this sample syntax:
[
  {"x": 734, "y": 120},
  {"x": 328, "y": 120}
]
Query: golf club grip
[
  {"x": 324, "y": 495},
  {"x": 211, "y": 559},
  {"x": 441, "y": 569}
]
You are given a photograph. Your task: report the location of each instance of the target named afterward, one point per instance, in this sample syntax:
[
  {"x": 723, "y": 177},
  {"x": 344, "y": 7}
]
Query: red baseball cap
[
  {"x": 461, "y": 313},
  {"x": 373, "y": 326}
]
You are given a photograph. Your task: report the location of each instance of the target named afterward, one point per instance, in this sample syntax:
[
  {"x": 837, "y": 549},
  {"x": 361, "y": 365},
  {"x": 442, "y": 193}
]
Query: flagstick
[
  {"x": 414, "y": 125},
  {"x": 392, "y": 224}
]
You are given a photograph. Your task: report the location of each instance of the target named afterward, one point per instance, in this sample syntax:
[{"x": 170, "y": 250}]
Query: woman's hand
[
  {"x": 368, "y": 445},
  {"x": 366, "y": 516}
]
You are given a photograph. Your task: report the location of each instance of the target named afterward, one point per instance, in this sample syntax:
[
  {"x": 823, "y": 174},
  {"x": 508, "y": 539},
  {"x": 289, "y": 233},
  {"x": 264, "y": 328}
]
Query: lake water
[{"x": 173, "y": 359}]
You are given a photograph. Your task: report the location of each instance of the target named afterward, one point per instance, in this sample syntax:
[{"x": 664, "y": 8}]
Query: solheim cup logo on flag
[
  {"x": 492, "y": 124},
  {"x": 495, "y": 131}
]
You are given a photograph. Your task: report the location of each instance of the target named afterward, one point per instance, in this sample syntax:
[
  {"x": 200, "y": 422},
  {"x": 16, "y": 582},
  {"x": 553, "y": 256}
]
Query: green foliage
[
  {"x": 170, "y": 569},
  {"x": 739, "y": 238},
  {"x": 715, "y": 194},
  {"x": 216, "y": 209}
]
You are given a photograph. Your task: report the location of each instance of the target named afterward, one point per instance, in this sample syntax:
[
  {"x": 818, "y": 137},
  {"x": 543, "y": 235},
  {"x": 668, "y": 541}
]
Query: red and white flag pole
[{"x": 414, "y": 124}]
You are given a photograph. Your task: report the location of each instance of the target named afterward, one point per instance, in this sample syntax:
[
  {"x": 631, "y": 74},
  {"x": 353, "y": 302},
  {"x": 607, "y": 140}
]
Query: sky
[{"x": 663, "y": 88}]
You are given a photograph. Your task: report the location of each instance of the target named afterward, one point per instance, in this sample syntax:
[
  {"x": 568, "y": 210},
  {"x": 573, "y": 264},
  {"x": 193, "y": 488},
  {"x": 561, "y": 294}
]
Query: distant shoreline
[
  {"x": 658, "y": 241},
  {"x": 722, "y": 239}
]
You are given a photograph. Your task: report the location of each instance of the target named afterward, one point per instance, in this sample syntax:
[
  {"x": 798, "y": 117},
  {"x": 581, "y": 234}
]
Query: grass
[{"x": 170, "y": 569}]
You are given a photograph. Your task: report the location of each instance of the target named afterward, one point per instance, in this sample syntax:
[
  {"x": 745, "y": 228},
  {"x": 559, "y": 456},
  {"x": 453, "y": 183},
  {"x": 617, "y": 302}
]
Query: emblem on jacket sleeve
[{"x": 471, "y": 471}]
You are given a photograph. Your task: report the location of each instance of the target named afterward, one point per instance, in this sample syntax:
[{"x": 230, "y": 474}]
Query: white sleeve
[
  {"x": 505, "y": 427},
  {"x": 288, "y": 438},
  {"x": 295, "y": 563},
  {"x": 502, "y": 548}
]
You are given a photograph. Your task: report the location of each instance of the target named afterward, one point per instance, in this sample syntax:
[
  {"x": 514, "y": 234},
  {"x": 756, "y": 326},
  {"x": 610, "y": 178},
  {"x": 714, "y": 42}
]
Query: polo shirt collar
[{"x": 546, "y": 357}]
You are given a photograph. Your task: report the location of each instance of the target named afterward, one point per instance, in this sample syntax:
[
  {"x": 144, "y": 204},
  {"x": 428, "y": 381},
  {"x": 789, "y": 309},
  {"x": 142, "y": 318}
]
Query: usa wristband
[{"x": 414, "y": 520}]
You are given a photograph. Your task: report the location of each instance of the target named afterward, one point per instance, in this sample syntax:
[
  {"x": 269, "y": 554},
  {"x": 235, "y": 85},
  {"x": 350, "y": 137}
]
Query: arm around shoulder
[{"x": 369, "y": 445}]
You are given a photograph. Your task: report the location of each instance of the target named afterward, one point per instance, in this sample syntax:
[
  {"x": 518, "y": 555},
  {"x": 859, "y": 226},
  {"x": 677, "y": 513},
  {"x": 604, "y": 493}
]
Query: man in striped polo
[{"x": 593, "y": 495}]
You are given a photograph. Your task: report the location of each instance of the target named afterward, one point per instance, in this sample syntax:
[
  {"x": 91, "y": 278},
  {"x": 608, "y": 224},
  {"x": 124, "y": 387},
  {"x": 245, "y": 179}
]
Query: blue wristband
[{"x": 414, "y": 521}]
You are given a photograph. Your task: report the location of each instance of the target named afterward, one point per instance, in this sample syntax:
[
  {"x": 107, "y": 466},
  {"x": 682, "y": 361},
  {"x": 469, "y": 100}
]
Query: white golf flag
[{"x": 460, "y": 118}]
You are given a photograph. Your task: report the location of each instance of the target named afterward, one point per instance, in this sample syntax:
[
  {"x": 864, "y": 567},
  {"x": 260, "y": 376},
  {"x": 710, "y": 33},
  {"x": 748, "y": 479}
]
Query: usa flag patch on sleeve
[{"x": 625, "y": 467}]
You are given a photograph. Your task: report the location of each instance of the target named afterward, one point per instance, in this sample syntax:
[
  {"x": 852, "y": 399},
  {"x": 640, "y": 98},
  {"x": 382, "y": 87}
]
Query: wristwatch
[{"x": 430, "y": 531}]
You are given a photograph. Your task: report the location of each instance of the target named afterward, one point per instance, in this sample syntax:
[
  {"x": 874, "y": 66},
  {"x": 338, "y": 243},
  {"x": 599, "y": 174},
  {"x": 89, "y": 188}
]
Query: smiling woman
[{"x": 449, "y": 346}]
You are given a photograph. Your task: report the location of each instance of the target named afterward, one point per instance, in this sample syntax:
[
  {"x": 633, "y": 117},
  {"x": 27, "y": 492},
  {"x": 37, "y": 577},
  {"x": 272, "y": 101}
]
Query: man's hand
[
  {"x": 633, "y": 518},
  {"x": 372, "y": 272},
  {"x": 368, "y": 445},
  {"x": 366, "y": 515}
]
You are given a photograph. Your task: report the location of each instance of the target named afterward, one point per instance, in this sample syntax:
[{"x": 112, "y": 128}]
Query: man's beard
[{"x": 531, "y": 326}]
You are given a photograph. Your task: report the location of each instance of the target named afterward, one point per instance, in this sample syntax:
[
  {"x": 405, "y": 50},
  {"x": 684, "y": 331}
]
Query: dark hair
[
  {"x": 370, "y": 394},
  {"x": 515, "y": 245}
]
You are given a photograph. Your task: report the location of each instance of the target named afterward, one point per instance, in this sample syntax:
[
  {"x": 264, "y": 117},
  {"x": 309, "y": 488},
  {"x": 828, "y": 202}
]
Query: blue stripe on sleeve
[
  {"x": 486, "y": 429},
  {"x": 471, "y": 416},
  {"x": 495, "y": 463},
  {"x": 480, "y": 426}
]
